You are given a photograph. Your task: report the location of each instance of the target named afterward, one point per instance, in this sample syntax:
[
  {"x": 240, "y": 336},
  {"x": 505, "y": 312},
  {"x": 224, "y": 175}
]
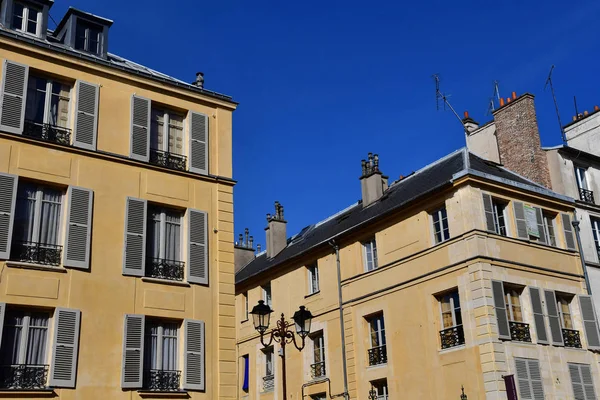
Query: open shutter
[
  {"x": 8, "y": 197},
  {"x": 134, "y": 258},
  {"x": 590, "y": 322},
  {"x": 568, "y": 230},
  {"x": 198, "y": 142},
  {"x": 488, "y": 207},
  {"x": 535, "y": 378},
  {"x": 194, "y": 374},
  {"x": 133, "y": 351},
  {"x": 65, "y": 348},
  {"x": 553, "y": 318},
  {"x": 538, "y": 315},
  {"x": 500, "y": 305},
  {"x": 588, "y": 381},
  {"x": 197, "y": 265},
  {"x": 79, "y": 228},
  {"x": 140, "y": 128},
  {"x": 520, "y": 220},
  {"x": 540, "y": 224},
  {"x": 86, "y": 115},
  {"x": 12, "y": 100}
]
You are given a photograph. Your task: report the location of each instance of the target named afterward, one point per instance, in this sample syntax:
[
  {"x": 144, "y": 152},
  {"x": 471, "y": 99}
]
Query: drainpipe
[
  {"x": 339, "y": 277},
  {"x": 575, "y": 224}
]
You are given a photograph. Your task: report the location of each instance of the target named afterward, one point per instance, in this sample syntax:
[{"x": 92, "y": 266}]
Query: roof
[
  {"x": 429, "y": 179},
  {"x": 80, "y": 13},
  {"x": 575, "y": 153}
]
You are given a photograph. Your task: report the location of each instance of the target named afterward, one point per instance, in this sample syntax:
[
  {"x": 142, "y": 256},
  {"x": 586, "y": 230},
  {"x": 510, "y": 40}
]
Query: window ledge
[
  {"x": 165, "y": 282},
  {"x": 312, "y": 294},
  {"x": 451, "y": 349},
  {"x": 28, "y": 393},
  {"x": 41, "y": 267},
  {"x": 149, "y": 394},
  {"x": 377, "y": 366}
]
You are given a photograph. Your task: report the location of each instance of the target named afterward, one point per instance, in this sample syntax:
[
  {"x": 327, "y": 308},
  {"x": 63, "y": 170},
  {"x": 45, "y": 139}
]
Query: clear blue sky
[{"x": 321, "y": 83}]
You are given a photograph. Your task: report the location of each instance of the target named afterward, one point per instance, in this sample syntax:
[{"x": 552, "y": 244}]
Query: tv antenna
[
  {"x": 439, "y": 95},
  {"x": 496, "y": 94},
  {"x": 549, "y": 82}
]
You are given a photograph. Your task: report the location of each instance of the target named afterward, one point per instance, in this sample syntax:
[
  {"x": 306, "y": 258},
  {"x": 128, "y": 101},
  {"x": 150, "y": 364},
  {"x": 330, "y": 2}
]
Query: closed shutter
[
  {"x": 520, "y": 220},
  {"x": 500, "y": 305},
  {"x": 8, "y": 197},
  {"x": 488, "y": 207},
  {"x": 134, "y": 258},
  {"x": 582, "y": 382},
  {"x": 198, "y": 142},
  {"x": 568, "y": 230},
  {"x": 578, "y": 392},
  {"x": 140, "y": 128},
  {"x": 197, "y": 268},
  {"x": 539, "y": 216},
  {"x": 65, "y": 348},
  {"x": 14, "y": 88},
  {"x": 538, "y": 315},
  {"x": 194, "y": 374},
  {"x": 79, "y": 228},
  {"x": 86, "y": 115},
  {"x": 523, "y": 378},
  {"x": 535, "y": 377},
  {"x": 133, "y": 351},
  {"x": 553, "y": 318},
  {"x": 2, "y": 312},
  {"x": 590, "y": 321},
  {"x": 529, "y": 379}
]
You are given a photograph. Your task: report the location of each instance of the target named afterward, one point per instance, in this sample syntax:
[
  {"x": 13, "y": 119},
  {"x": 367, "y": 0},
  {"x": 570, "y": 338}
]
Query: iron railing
[
  {"x": 47, "y": 132},
  {"x": 23, "y": 377},
  {"x": 36, "y": 253},
  {"x": 586, "y": 196},
  {"x": 317, "y": 370},
  {"x": 268, "y": 383},
  {"x": 165, "y": 269},
  {"x": 168, "y": 160},
  {"x": 162, "y": 380},
  {"x": 452, "y": 337},
  {"x": 519, "y": 331},
  {"x": 571, "y": 338},
  {"x": 378, "y": 355}
]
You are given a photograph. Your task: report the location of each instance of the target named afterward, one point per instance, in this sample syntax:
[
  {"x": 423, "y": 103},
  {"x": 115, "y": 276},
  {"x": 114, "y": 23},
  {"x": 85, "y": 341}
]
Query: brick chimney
[
  {"x": 276, "y": 232},
  {"x": 372, "y": 182},
  {"x": 243, "y": 251},
  {"x": 518, "y": 139}
]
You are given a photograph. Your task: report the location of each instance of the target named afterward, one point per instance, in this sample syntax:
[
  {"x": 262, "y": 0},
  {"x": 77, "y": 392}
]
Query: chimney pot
[
  {"x": 507, "y": 100},
  {"x": 514, "y": 95},
  {"x": 276, "y": 232},
  {"x": 596, "y": 108},
  {"x": 199, "y": 80},
  {"x": 251, "y": 242},
  {"x": 466, "y": 114},
  {"x": 501, "y": 102},
  {"x": 585, "y": 113},
  {"x": 258, "y": 247},
  {"x": 574, "y": 117},
  {"x": 240, "y": 240}
]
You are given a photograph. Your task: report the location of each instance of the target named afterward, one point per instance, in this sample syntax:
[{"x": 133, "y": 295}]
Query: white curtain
[
  {"x": 50, "y": 218},
  {"x": 172, "y": 237},
  {"x": 169, "y": 347},
  {"x": 36, "y": 343}
]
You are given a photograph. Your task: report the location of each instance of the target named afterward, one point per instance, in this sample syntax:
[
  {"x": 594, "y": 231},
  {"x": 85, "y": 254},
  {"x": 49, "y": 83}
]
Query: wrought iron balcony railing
[
  {"x": 571, "y": 338},
  {"x": 317, "y": 370},
  {"x": 168, "y": 160},
  {"x": 23, "y": 377},
  {"x": 378, "y": 355},
  {"x": 519, "y": 331},
  {"x": 159, "y": 380},
  {"x": 165, "y": 269},
  {"x": 36, "y": 253},
  {"x": 452, "y": 337},
  {"x": 586, "y": 196},
  {"x": 268, "y": 383},
  {"x": 47, "y": 132}
]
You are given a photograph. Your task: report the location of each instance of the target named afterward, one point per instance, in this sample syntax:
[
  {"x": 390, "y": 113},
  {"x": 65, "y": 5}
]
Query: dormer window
[
  {"x": 26, "y": 18},
  {"x": 83, "y": 31},
  {"x": 88, "y": 37}
]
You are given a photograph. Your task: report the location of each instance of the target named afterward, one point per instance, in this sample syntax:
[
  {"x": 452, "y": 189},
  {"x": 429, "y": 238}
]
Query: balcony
[
  {"x": 168, "y": 160},
  {"x": 47, "y": 132},
  {"x": 268, "y": 383},
  {"x": 587, "y": 196},
  {"x": 23, "y": 377},
  {"x": 452, "y": 337},
  {"x": 165, "y": 269},
  {"x": 158, "y": 380},
  {"x": 317, "y": 370},
  {"x": 519, "y": 331},
  {"x": 36, "y": 253},
  {"x": 571, "y": 338},
  {"x": 378, "y": 355}
]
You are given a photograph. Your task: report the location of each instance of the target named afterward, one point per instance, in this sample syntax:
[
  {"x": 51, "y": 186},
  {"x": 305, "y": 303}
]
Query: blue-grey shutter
[
  {"x": 553, "y": 318},
  {"x": 535, "y": 378},
  {"x": 568, "y": 230},
  {"x": 488, "y": 207},
  {"x": 197, "y": 265},
  {"x": 12, "y": 99},
  {"x": 520, "y": 220},
  {"x": 65, "y": 348},
  {"x": 140, "y": 128},
  {"x": 86, "y": 115},
  {"x": 576, "y": 383},
  {"x": 500, "y": 306},
  {"x": 8, "y": 198},
  {"x": 539, "y": 216},
  {"x": 198, "y": 147},
  {"x": 588, "y": 382},
  {"x": 590, "y": 321},
  {"x": 79, "y": 228},
  {"x": 538, "y": 315},
  {"x": 134, "y": 257},
  {"x": 523, "y": 379},
  {"x": 194, "y": 373},
  {"x": 133, "y": 351}
]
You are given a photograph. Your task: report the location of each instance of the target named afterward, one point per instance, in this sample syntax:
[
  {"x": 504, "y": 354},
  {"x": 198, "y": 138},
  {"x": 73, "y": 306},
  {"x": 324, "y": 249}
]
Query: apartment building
[{"x": 116, "y": 216}]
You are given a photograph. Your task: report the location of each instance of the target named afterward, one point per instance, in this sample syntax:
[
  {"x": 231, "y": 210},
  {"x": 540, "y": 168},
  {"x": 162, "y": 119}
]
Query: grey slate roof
[{"x": 428, "y": 180}]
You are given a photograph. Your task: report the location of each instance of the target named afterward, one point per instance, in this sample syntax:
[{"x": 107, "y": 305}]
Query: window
[
  {"x": 370, "y": 253},
  {"x": 163, "y": 259},
  {"x": 381, "y": 389},
  {"x": 378, "y": 351},
  {"x": 549, "y": 229},
  {"x": 245, "y": 305},
  {"x": 160, "y": 355},
  {"x": 318, "y": 365},
  {"x": 313, "y": 278},
  {"x": 440, "y": 225},
  {"x": 582, "y": 381},
  {"x": 513, "y": 303},
  {"x": 267, "y": 294},
  {"x": 581, "y": 176},
  {"x": 596, "y": 232},
  {"x": 319, "y": 396},
  {"x": 26, "y": 18},
  {"x": 499, "y": 209},
  {"x": 564, "y": 310},
  {"x": 88, "y": 37},
  {"x": 529, "y": 379},
  {"x": 452, "y": 333},
  {"x": 47, "y": 110},
  {"x": 166, "y": 132},
  {"x": 268, "y": 378},
  {"x": 246, "y": 373}
]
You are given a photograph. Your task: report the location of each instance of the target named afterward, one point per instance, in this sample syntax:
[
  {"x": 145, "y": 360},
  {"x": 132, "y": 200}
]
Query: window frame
[
  {"x": 545, "y": 216},
  {"x": 48, "y": 99},
  {"x": 453, "y": 308},
  {"x": 381, "y": 385},
  {"x": 370, "y": 245},
  {"x": 318, "y": 340},
  {"x": 508, "y": 296},
  {"x": 159, "y": 342},
  {"x": 563, "y": 297},
  {"x": 25, "y": 18},
  {"x": 245, "y": 305},
  {"x": 163, "y": 230},
  {"x": 495, "y": 203},
  {"x": 313, "y": 278},
  {"x": 166, "y": 113},
  {"x": 376, "y": 324},
  {"x": 25, "y": 331},
  {"x": 581, "y": 177},
  {"x": 269, "y": 353},
  {"x": 37, "y": 213},
  {"x": 267, "y": 294},
  {"x": 595, "y": 223},
  {"x": 88, "y": 26},
  {"x": 439, "y": 214}
]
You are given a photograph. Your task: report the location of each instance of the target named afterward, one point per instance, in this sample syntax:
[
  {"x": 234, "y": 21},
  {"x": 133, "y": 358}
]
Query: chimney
[
  {"x": 469, "y": 123},
  {"x": 372, "y": 182},
  {"x": 518, "y": 139},
  {"x": 199, "y": 82},
  {"x": 243, "y": 251},
  {"x": 276, "y": 232}
]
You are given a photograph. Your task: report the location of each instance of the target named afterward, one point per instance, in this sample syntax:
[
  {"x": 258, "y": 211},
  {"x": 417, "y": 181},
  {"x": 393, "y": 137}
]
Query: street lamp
[
  {"x": 463, "y": 396},
  {"x": 261, "y": 315}
]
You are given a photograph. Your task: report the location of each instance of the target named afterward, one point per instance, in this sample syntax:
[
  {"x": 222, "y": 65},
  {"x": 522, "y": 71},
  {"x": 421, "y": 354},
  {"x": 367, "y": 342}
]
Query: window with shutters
[
  {"x": 268, "y": 378},
  {"x": 88, "y": 37},
  {"x": 379, "y": 389},
  {"x": 439, "y": 219},
  {"x": 571, "y": 336},
  {"x": 313, "y": 278},
  {"x": 161, "y": 355},
  {"x": 163, "y": 254},
  {"x": 370, "y": 254},
  {"x": 499, "y": 209},
  {"x": 519, "y": 330},
  {"x": 26, "y": 18},
  {"x": 596, "y": 233},
  {"x": 582, "y": 381},
  {"x": 378, "y": 351},
  {"x": 529, "y": 379},
  {"x": 550, "y": 228},
  {"x": 266, "y": 295},
  {"x": 452, "y": 333},
  {"x": 167, "y": 139},
  {"x": 317, "y": 368}
]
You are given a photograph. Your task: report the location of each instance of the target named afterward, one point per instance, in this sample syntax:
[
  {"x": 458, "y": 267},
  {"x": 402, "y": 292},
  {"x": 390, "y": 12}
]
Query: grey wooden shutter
[
  {"x": 65, "y": 348},
  {"x": 553, "y": 318},
  {"x": 538, "y": 315},
  {"x": 8, "y": 198},
  {"x": 568, "y": 230},
  {"x": 577, "y": 384},
  {"x": 14, "y": 89},
  {"x": 194, "y": 373},
  {"x": 133, "y": 351},
  {"x": 539, "y": 216},
  {"x": 79, "y": 228},
  {"x": 588, "y": 382},
  {"x": 590, "y": 321},
  {"x": 134, "y": 257},
  {"x": 197, "y": 265},
  {"x": 500, "y": 305},
  {"x": 520, "y": 220},
  {"x": 535, "y": 379},
  {"x": 488, "y": 207},
  {"x": 86, "y": 115},
  {"x": 140, "y": 128},
  {"x": 523, "y": 378},
  {"x": 198, "y": 137}
]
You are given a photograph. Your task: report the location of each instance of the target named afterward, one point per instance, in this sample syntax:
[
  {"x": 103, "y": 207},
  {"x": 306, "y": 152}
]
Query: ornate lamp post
[
  {"x": 372, "y": 393},
  {"x": 463, "y": 396},
  {"x": 261, "y": 315}
]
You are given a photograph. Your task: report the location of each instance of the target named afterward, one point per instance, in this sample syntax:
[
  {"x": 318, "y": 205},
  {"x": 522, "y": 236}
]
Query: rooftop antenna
[
  {"x": 576, "y": 109},
  {"x": 439, "y": 95},
  {"x": 496, "y": 94},
  {"x": 549, "y": 82}
]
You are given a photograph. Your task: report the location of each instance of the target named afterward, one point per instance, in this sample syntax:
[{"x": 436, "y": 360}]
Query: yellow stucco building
[{"x": 116, "y": 220}]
